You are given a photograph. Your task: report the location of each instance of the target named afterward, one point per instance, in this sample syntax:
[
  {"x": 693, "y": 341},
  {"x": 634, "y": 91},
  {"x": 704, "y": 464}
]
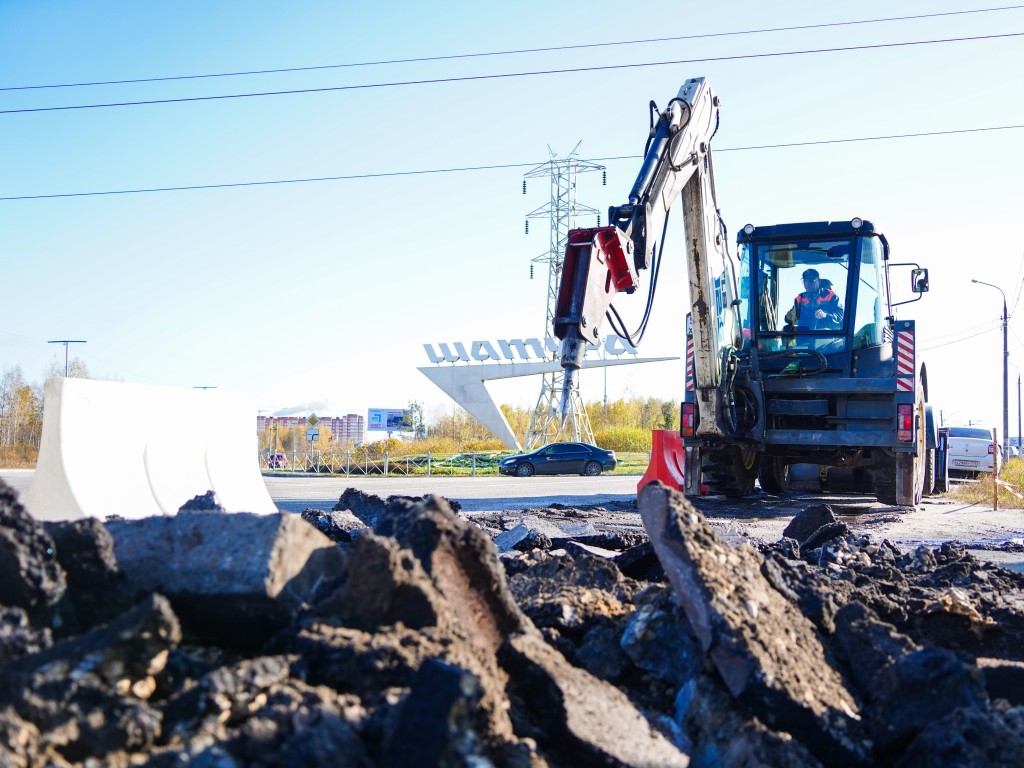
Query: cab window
[{"x": 869, "y": 322}]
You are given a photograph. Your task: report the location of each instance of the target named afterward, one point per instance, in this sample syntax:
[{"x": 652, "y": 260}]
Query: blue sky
[{"x": 319, "y": 296}]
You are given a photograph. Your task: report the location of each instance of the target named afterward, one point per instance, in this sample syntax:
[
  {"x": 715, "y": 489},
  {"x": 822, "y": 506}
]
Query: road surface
[{"x": 995, "y": 536}]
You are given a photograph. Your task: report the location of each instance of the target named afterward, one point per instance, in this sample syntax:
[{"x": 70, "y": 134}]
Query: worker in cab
[{"x": 817, "y": 307}]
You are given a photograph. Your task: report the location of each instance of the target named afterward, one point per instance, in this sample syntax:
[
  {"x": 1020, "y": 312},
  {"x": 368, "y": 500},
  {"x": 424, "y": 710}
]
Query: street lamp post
[
  {"x": 1006, "y": 360},
  {"x": 66, "y": 342}
]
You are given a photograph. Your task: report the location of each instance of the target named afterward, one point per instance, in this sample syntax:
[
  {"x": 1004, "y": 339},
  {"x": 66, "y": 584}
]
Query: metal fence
[{"x": 349, "y": 463}]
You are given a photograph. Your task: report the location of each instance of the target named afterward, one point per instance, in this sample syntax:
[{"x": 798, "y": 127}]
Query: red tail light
[
  {"x": 688, "y": 420},
  {"x": 905, "y": 422},
  {"x": 991, "y": 449}
]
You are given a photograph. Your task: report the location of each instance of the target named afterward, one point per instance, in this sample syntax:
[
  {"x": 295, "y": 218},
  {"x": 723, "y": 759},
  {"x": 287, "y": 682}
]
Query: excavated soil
[{"x": 404, "y": 632}]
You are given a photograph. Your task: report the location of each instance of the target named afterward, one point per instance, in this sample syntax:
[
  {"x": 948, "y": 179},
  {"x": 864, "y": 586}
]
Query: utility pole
[
  {"x": 1020, "y": 447},
  {"x": 66, "y": 342},
  {"x": 1006, "y": 361}
]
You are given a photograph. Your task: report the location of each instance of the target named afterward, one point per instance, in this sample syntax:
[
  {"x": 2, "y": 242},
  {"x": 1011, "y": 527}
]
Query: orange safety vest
[{"x": 825, "y": 298}]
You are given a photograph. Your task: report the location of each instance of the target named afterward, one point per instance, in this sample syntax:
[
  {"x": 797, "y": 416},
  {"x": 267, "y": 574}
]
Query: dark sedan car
[{"x": 560, "y": 459}]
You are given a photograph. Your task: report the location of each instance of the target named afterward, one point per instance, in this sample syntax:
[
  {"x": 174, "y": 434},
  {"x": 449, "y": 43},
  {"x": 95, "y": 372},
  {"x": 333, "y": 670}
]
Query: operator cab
[{"x": 817, "y": 288}]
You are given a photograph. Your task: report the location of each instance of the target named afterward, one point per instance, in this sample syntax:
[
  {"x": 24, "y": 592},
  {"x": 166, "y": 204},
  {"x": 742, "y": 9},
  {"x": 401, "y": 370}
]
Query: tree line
[
  {"x": 624, "y": 424},
  {"x": 21, "y": 412}
]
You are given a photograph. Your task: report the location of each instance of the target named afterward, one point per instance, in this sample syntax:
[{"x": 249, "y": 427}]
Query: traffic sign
[{"x": 313, "y": 420}]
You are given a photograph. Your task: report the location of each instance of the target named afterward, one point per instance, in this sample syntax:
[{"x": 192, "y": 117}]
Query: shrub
[
  {"x": 980, "y": 492},
  {"x": 624, "y": 439}
]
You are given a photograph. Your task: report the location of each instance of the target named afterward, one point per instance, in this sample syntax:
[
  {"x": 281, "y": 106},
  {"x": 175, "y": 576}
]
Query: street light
[
  {"x": 1006, "y": 360},
  {"x": 66, "y": 342}
]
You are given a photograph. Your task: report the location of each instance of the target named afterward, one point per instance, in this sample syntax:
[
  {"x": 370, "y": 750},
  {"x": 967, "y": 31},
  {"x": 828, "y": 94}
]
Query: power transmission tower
[{"x": 546, "y": 424}]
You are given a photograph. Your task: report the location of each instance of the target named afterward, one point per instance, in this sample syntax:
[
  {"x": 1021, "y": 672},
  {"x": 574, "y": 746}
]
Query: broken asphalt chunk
[
  {"x": 30, "y": 576},
  {"x": 238, "y": 577},
  {"x": 767, "y": 652},
  {"x": 338, "y": 525},
  {"x": 101, "y": 679},
  {"x": 589, "y": 721},
  {"x": 439, "y": 722},
  {"x": 463, "y": 565},
  {"x": 920, "y": 688}
]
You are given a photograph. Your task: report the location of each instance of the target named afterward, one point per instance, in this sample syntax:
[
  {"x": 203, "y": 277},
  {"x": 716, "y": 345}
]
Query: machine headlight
[
  {"x": 749, "y": 229},
  {"x": 856, "y": 222}
]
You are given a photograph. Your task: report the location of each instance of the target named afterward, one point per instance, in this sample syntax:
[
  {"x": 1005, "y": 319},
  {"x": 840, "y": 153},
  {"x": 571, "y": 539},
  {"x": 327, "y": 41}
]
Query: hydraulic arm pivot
[{"x": 601, "y": 262}]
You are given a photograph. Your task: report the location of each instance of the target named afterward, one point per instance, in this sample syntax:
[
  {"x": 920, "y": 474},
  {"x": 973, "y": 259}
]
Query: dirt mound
[{"x": 399, "y": 632}]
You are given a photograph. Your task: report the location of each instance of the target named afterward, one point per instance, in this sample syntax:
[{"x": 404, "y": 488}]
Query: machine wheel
[
  {"x": 902, "y": 483},
  {"x": 525, "y": 470},
  {"x": 907, "y": 473},
  {"x": 912, "y": 469},
  {"x": 941, "y": 474},
  {"x": 593, "y": 469},
  {"x": 692, "y": 471},
  {"x": 884, "y": 477},
  {"x": 731, "y": 471},
  {"x": 929, "y": 472},
  {"x": 918, "y": 465},
  {"x": 773, "y": 475}
]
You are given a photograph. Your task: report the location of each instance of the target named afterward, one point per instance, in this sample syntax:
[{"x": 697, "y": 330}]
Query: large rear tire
[
  {"x": 773, "y": 475},
  {"x": 918, "y": 465},
  {"x": 693, "y": 462},
  {"x": 929, "y": 472},
  {"x": 902, "y": 483},
  {"x": 884, "y": 476},
  {"x": 909, "y": 480},
  {"x": 941, "y": 473},
  {"x": 731, "y": 471}
]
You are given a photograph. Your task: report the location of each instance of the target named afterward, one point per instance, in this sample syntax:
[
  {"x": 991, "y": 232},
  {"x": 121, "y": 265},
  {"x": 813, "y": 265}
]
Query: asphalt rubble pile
[{"x": 400, "y": 632}]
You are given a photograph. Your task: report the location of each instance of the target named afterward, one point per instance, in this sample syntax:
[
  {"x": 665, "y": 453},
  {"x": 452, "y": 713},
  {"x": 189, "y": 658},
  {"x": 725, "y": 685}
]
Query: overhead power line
[
  {"x": 988, "y": 325},
  {"x": 958, "y": 341},
  {"x": 519, "y": 51},
  {"x": 499, "y": 166},
  {"x": 507, "y": 75}
]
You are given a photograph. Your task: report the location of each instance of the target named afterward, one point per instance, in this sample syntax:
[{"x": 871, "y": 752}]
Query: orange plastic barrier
[{"x": 667, "y": 460}]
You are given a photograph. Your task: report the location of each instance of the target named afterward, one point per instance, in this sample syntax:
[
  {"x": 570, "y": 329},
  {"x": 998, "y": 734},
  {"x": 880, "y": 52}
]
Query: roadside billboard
[{"x": 388, "y": 420}]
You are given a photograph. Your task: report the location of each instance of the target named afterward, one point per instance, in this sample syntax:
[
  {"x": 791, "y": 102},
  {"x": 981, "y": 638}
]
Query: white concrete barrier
[{"x": 135, "y": 450}]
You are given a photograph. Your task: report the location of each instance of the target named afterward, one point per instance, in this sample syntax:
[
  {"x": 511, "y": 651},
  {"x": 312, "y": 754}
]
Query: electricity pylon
[{"x": 546, "y": 424}]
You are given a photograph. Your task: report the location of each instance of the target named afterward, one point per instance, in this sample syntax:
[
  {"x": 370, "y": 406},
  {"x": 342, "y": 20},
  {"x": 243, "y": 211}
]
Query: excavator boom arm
[{"x": 601, "y": 262}]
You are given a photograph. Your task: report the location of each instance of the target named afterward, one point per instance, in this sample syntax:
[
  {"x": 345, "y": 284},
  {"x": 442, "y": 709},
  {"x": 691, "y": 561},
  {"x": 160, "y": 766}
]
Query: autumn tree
[
  {"x": 416, "y": 419},
  {"x": 21, "y": 418},
  {"x": 77, "y": 369}
]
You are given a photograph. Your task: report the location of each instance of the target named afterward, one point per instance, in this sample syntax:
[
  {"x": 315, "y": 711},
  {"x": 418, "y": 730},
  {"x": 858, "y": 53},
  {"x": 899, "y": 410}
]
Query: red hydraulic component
[
  {"x": 591, "y": 277},
  {"x": 666, "y": 460}
]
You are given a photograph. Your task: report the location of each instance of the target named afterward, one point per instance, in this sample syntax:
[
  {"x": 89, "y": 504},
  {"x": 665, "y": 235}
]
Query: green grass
[
  {"x": 980, "y": 491},
  {"x": 454, "y": 465}
]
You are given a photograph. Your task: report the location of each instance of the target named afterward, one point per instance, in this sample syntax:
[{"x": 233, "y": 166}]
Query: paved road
[
  {"x": 762, "y": 517},
  {"x": 475, "y": 494}
]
